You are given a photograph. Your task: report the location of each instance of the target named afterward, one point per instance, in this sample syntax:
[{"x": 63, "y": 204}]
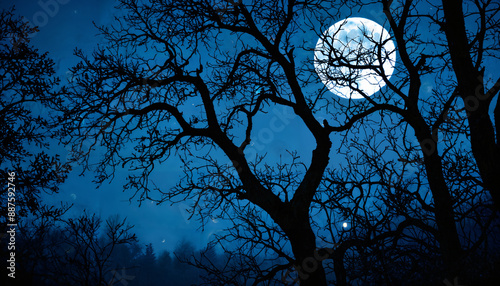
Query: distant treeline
[{"x": 89, "y": 251}]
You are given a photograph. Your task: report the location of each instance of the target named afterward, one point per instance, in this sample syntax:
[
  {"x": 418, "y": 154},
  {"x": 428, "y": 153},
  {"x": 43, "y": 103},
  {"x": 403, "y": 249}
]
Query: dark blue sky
[
  {"x": 60, "y": 32},
  {"x": 66, "y": 26}
]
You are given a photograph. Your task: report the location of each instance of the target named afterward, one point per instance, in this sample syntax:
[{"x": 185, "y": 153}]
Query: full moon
[
  {"x": 352, "y": 55},
  {"x": 344, "y": 224}
]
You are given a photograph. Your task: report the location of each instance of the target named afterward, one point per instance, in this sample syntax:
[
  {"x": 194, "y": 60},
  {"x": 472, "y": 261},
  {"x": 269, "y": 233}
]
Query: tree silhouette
[
  {"x": 426, "y": 130},
  {"x": 165, "y": 263},
  {"x": 79, "y": 252},
  {"x": 26, "y": 81},
  {"x": 469, "y": 53},
  {"x": 193, "y": 79},
  {"x": 147, "y": 264},
  {"x": 435, "y": 120}
]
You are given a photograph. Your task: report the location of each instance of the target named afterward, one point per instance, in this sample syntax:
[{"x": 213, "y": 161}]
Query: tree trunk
[
  {"x": 308, "y": 262},
  {"x": 486, "y": 152},
  {"x": 445, "y": 220},
  {"x": 476, "y": 100},
  {"x": 338, "y": 265},
  {"x": 309, "y": 266},
  {"x": 443, "y": 204}
]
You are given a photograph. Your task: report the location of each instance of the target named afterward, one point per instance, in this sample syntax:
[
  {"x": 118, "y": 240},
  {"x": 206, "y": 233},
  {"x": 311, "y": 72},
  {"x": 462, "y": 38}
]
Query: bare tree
[
  {"x": 191, "y": 78},
  {"x": 470, "y": 52},
  {"x": 82, "y": 248},
  {"x": 125, "y": 93},
  {"x": 430, "y": 122},
  {"x": 26, "y": 80},
  {"x": 391, "y": 234}
]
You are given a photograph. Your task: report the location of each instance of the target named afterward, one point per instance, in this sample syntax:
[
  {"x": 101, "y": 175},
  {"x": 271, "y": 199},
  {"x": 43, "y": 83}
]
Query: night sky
[
  {"x": 72, "y": 26},
  {"x": 163, "y": 225}
]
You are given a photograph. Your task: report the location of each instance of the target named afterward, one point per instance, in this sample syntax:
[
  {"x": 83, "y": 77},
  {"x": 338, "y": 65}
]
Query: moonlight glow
[
  {"x": 344, "y": 224},
  {"x": 353, "y": 54}
]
